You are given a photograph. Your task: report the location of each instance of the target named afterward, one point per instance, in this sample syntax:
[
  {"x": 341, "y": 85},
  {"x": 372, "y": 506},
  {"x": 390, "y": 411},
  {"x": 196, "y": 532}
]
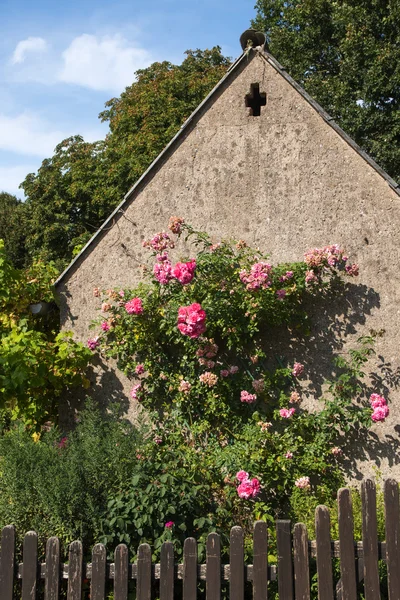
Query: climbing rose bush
[{"x": 197, "y": 342}]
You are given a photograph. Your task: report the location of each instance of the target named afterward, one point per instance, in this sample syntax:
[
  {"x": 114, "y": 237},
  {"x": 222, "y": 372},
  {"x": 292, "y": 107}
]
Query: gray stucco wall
[{"x": 284, "y": 181}]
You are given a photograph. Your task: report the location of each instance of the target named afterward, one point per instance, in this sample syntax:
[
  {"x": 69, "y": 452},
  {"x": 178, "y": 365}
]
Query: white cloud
[
  {"x": 104, "y": 64},
  {"x": 12, "y": 176},
  {"x": 25, "y": 47},
  {"x": 27, "y": 133}
]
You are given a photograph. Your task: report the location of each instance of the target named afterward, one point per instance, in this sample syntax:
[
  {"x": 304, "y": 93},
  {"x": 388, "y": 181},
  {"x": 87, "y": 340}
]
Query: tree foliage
[
  {"x": 346, "y": 53},
  {"x": 78, "y": 187},
  {"x": 37, "y": 363},
  {"x": 13, "y": 228}
]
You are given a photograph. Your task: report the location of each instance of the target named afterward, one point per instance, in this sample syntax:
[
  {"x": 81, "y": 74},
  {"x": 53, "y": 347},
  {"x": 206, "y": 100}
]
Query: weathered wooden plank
[
  {"x": 301, "y": 562},
  {"x": 346, "y": 541},
  {"x": 7, "y": 562},
  {"x": 121, "y": 572},
  {"x": 29, "y": 575},
  {"x": 213, "y": 562},
  {"x": 189, "y": 575},
  {"x": 285, "y": 559},
  {"x": 167, "y": 571},
  {"x": 392, "y": 534},
  {"x": 370, "y": 541},
  {"x": 52, "y": 577},
  {"x": 236, "y": 564},
  {"x": 260, "y": 561},
  {"x": 143, "y": 588},
  {"x": 323, "y": 553},
  {"x": 75, "y": 558},
  {"x": 98, "y": 573}
]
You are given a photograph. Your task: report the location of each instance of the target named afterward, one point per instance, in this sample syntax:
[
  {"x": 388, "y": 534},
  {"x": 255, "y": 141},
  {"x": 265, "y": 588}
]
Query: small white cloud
[
  {"x": 12, "y": 176},
  {"x": 31, "y": 44},
  {"x": 103, "y": 64},
  {"x": 29, "y": 134}
]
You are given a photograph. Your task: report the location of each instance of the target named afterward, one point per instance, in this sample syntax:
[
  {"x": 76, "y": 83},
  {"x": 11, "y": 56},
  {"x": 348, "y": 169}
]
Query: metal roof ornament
[{"x": 251, "y": 39}]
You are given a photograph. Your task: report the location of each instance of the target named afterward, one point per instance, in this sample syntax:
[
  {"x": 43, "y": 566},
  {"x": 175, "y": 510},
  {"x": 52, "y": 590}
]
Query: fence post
[
  {"x": 392, "y": 534},
  {"x": 301, "y": 563},
  {"x": 143, "y": 586},
  {"x": 324, "y": 560},
  {"x": 236, "y": 564},
  {"x": 370, "y": 541},
  {"x": 30, "y": 566},
  {"x": 167, "y": 571},
  {"x": 99, "y": 564},
  {"x": 75, "y": 557},
  {"x": 260, "y": 561},
  {"x": 189, "y": 586},
  {"x": 52, "y": 577},
  {"x": 346, "y": 545},
  {"x": 285, "y": 560},
  {"x": 121, "y": 572},
  {"x": 7, "y": 558},
  {"x": 213, "y": 561}
]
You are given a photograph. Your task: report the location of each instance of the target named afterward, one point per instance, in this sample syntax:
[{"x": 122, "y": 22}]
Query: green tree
[
  {"x": 13, "y": 228},
  {"x": 37, "y": 363},
  {"x": 78, "y": 187},
  {"x": 346, "y": 53}
]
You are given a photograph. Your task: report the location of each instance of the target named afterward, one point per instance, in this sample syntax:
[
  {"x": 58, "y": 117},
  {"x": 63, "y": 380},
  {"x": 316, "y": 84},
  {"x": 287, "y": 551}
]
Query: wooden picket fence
[{"x": 358, "y": 562}]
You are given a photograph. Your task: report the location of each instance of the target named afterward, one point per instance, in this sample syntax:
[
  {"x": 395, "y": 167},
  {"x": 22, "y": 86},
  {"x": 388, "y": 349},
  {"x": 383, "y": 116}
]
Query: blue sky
[{"x": 61, "y": 61}]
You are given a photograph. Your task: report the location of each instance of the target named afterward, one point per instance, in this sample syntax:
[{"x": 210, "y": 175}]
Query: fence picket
[
  {"x": 167, "y": 568},
  {"x": 7, "y": 558},
  {"x": 52, "y": 577},
  {"x": 300, "y": 560},
  {"x": 30, "y": 566},
  {"x": 121, "y": 572},
  {"x": 370, "y": 541},
  {"x": 75, "y": 557},
  {"x": 236, "y": 560},
  {"x": 260, "y": 561},
  {"x": 392, "y": 534},
  {"x": 324, "y": 560},
  {"x": 346, "y": 544},
  {"x": 98, "y": 582},
  {"x": 213, "y": 561},
  {"x": 143, "y": 591},
  {"x": 285, "y": 561},
  {"x": 189, "y": 586}
]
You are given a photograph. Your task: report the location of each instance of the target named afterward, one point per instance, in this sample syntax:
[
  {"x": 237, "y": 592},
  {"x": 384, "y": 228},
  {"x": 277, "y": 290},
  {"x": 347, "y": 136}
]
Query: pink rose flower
[
  {"x": 242, "y": 475},
  {"x": 192, "y": 320},
  {"x": 105, "y": 326},
  {"x": 139, "y": 370},
  {"x": 289, "y": 455},
  {"x": 281, "y": 294},
  {"x": 380, "y": 413},
  {"x": 184, "y": 272},
  {"x": 135, "y": 390},
  {"x": 169, "y": 524},
  {"x": 134, "y": 306},
  {"x": 377, "y": 401},
  {"x": 92, "y": 343},
  {"x": 245, "y": 489},
  {"x": 246, "y": 397},
  {"x": 286, "y": 413},
  {"x": 303, "y": 483},
  {"x": 224, "y": 373},
  {"x": 298, "y": 369}
]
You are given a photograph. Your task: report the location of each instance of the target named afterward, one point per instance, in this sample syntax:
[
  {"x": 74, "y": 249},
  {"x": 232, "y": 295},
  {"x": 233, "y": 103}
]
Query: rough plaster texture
[{"x": 284, "y": 181}]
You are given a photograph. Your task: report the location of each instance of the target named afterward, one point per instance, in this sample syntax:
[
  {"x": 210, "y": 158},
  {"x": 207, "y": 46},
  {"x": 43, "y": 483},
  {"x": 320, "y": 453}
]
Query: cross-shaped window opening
[{"x": 254, "y": 100}]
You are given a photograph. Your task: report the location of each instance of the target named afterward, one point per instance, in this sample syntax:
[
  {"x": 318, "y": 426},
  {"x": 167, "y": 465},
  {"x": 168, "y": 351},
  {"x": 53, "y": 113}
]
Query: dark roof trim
[{"x": 169, "y": 149}]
